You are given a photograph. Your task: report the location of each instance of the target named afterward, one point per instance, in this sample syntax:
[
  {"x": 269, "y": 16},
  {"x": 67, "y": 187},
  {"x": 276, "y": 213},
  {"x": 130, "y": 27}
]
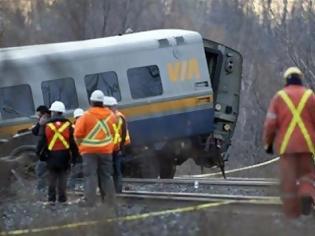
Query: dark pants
[
  {"x": 98, "y": 170},
  {"x": 76, "y": 174},
  {"x": 57, "y": 179},
  {"x": 41, "y": 174},
  {"x": 117, "y": 161}
]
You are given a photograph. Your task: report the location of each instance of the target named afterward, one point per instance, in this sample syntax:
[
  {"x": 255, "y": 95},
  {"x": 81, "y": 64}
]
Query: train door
[{"x": 225, "y": 70}]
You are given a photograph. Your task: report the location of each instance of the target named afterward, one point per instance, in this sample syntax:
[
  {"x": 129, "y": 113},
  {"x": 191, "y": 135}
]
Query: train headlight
[
  {"x": 218, "y": 107},
  {"x": 227, "y": 127}
]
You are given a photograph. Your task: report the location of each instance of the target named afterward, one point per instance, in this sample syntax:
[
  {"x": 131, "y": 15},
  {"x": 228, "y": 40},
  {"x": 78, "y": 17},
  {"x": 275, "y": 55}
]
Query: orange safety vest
[
  {"x": 296, "y": 121},
  {"x": 290, "y": 121},
  {"x": 118, "y": 131},
  {"x": 57, "y": 135},
  {"x": 94, "y": 131}
]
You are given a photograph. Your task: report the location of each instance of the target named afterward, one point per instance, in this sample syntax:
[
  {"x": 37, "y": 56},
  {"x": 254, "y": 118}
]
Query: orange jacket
[
  {"x": 94, "y": 131},
  {"x": 279, "y": 119}
]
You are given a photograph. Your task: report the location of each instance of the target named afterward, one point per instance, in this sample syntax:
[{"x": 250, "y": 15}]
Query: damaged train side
[{"x": 179, "y": 92}]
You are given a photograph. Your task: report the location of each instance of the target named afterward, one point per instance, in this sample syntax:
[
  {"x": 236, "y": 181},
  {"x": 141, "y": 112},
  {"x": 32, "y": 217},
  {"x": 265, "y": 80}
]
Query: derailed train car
[{"x": 179, "y": 92}]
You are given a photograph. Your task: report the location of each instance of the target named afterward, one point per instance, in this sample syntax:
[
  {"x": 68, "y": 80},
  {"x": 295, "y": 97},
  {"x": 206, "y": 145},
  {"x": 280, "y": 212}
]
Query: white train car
[{"x": 180, "y": 92}]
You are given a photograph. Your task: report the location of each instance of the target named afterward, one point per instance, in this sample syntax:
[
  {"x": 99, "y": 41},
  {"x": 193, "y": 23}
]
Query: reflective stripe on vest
[
  {"x": 127, "y": 140},
  {"x": 58, "y": 135},
  {"x": 296, "y": 120},
  {"x": 100, "y": 126},
  {"x": 117, "y": 129}
]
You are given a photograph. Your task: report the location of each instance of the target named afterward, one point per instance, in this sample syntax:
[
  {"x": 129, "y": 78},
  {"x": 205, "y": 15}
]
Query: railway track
[
  {"x": 200, "y": 190},
  {"x": 160, "y": 204},
  {"x": 233, "y": 186},
  {"x": 191, "y": 197},
  {"x": 210, "y": 181},
  {"x": 240, "y": 204},
  {"x": 136, "y": 204}
]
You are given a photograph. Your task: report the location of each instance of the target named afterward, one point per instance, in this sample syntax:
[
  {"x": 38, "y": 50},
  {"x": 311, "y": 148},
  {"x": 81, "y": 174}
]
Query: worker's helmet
[
  {"x": 78, "y": 112},
  {"x": 97, "y": 96},
  {"x": 109, "y": 101},
  {"x": 114, "y": 101},
  {"x": 58, "y": 106},
  {"x": 292, "y": 71}
]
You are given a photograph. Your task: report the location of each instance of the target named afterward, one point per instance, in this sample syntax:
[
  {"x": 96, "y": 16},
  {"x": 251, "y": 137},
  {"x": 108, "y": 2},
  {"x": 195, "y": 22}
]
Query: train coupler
[{"x": 214, "y": 148}]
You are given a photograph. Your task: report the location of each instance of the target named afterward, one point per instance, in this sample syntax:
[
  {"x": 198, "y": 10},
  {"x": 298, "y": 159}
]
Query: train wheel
[
  {"x": 26, "y": 157},
  {"x": 167, "y": 168},
  {"x": 23, "y": 150},
  {"x": 148, "y": 165}
]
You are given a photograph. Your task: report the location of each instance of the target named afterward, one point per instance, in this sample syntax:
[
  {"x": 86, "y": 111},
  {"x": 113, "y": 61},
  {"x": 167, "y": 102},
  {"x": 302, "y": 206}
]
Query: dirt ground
[
  {"x": 24, "y": 211},
  {"x": 220, "y": 221}
]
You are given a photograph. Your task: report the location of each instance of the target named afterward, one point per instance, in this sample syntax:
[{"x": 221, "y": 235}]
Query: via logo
[{"x": 183, "y": 70}]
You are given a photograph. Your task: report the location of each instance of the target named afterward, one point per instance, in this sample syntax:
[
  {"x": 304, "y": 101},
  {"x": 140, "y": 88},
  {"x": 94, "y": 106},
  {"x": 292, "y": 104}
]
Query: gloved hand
[{"x": 268, "y": 148}]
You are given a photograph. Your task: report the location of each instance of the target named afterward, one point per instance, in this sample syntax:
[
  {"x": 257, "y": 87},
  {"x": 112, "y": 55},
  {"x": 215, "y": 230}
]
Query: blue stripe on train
[{"x": 151, "y": 130}]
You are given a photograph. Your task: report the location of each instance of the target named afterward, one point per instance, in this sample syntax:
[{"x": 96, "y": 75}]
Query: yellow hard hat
[{"x": 292, "y": 70}]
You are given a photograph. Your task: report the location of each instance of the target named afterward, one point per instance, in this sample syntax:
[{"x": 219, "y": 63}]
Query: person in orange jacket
[
  {"x": 290, "y": 127},
  {"x": 121, "y": 140},
  {"x": 94, "y": 136}
]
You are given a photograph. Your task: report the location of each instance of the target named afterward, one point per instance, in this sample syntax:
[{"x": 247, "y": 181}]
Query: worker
[
  {"x": 77, "y": 169},
  {"x": 58, "y": 143},
  {"x": 121, "y": 139},
  {"x": 43, "y": 115},
  {"x": 94, "y": 136},
  {"x": 290, "y": 127},
  {"x": 77, "y": 113}
]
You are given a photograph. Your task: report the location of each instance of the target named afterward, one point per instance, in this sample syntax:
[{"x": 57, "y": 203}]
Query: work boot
[
  {"x": 50, "y": 203},
  {"x": 306, "y": 205},
  {"x": 62, "y": 198},
  {"x": 84, "y": 203}
]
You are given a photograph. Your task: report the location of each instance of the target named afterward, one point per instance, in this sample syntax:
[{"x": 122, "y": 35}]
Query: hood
[{"x": 100, "y": 112}]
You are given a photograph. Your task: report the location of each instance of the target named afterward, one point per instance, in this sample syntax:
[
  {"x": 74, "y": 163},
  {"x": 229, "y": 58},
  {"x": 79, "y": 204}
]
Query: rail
[{"x": 213, "y": 181}]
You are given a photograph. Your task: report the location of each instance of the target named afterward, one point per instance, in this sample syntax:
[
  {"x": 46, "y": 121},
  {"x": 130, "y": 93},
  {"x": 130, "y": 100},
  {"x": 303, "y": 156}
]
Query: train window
[
  {"x": 60, "y": 90},
  {"x": 16, "y": 101},
  {"x": 105, "y": 81},
  {"x": 145, "y": 81}
]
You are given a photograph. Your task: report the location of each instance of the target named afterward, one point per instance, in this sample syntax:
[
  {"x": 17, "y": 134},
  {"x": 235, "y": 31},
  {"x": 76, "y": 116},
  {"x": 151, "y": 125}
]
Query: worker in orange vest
[
  {"x": 121, "y": 140},
  {"x": 94, "y": 136},
  {"x": 57, "y": 147},
  {"x": 290, "y": 127}
]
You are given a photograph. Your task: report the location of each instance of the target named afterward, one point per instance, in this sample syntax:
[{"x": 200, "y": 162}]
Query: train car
[{"x": 179, "y": 92}]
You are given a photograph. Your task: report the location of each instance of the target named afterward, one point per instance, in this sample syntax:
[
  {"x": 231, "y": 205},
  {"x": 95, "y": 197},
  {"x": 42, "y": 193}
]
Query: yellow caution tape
[
  {"x": 235, "y": 170},
  {"x": 124, "y": 218},
  {"x": 150, "y": 214},
  {"x": 275, "y": 201}
]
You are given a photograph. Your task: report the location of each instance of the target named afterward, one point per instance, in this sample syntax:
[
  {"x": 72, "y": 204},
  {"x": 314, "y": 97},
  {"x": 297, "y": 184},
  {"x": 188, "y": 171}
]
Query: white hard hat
[
  {"x": 97, "y": 96},
  {"x": 78, "y": 112},
  {"x": 292, "y": 70},
  {"x": 114, "y": 100},
  {"x": 109, "y": 101},
  {"x": 58, "y": 106}
]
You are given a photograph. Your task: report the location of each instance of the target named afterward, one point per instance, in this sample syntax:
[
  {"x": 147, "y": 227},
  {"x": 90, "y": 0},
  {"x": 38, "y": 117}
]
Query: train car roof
[{"x": 129, "y": 42}]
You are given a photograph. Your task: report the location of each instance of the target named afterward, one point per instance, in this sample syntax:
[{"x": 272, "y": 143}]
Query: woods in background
[{"x": 270, "y": 34}]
